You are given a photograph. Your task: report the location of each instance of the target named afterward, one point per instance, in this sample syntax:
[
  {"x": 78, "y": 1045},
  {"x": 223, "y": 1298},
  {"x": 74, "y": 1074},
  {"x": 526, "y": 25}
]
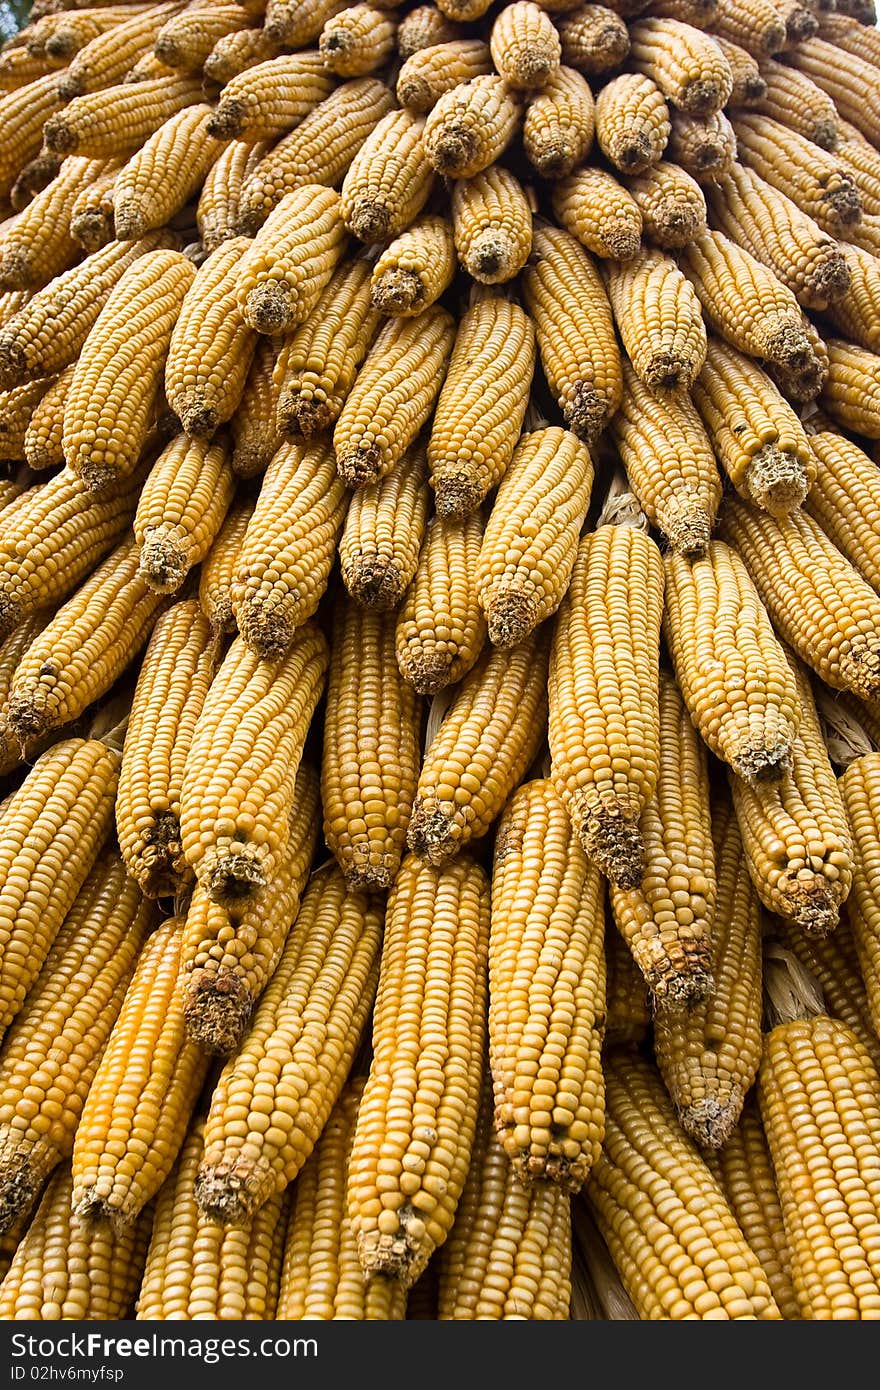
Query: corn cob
[
  {"x": 658, "y": 317},
  {"x": 559, "y": 124},
  {"x": 817, "y": 181},
  {"x": 117, "y": 120},
  {"x": 389, "y": 179},
  {"x": 357, "y": 41},
  {"x": 85, "y": 647},
  {"x": 36, "y": 175},
  {"x": 186, "y": 40},
  {"x": 440, "y": 627},
  {"x": 12, "y": 649},
  {"x": 508, "y": 1255},
  {"x": 857, "y": 311},
  {"x": 11, "y": 302},
  {"x": 284, "y": 562},
  {"x": 464, "y": 11},
  {"x": 146, "y": 69},
  {"x": 802, "y": 383},
  {"x": 296, "y": 22},
  {"x": 749, "y": 83},
  {"x": 704, "y": 147},
  {"x": 687, "y": 66},
  {"x": 596, "y": 209},
  {"x": 16, "y": 409},
  {"x": 195, "y": 1269},
  {"x": 604, "y": 700},
  {"x": 270, "y": 98},
  {"x": 423, "y": 27},
  {"x": 18, "y": 67},
  {"x": 415, "y": 269},
  {"x": 671, "y": 205},
  {"x": 320, "y": 150},
  {"x": 51, "y": 1053},
  {"x": 669, "y": 463},
  {"x": 470, "y": 127},
  {"x": 482, "y": 404},
  {"x": 164, "y": 173},
  {"x": 595, "y": 40},
  {"x": 480, "y": 752},
  {"x": 851, "y": 84},
  {"x": 91, "y": 215},
  {"x": 698, "y": 13},
  {"x": 744, "y": 1172},
  {"x": 860, "y": 40},
  {"x": 289, "y": 263},
  {"x": 136, "y": 1113},
  {"x": 851, "y": 393},
  {"x": 432, "y": 71},
  {"x": 226, "y": 962},
  {"x": 236, "y": 52},
  {"x": 321, "y": 1276},
  {"x": 384, "y": 526},
  {"x": 256, "y": 433},
  {"x": 793, "y": 100},
  {"x": 181, "y": 509},
  {"x": 628, "y": 1010},
  {"x": 404, "y": 1182},
  {"x": 314, "y": 1008},
  {"x": 843, "y": 498},
  {"x": 834, "y": 961},
  {"x": 238, "y": 781},
  {"x": 667, "y": 922},
  {"x": 217, "y": 214},
  {"x": 674, "y": 1239},
  {"x": 632, "y": 123},
  {"x": 23, "y": 115},
  {"x": 393, "y": 395},
  {"x": 525, "y": 46},
  {"x": 531, "y": 538},
  {"x": 492, "y": 224},
  {"x": 801, "y": 19},
  {"x": 756, "y": 25},
  {"x": 318, "y": 365},
  {"x": 111, "y": 394},
  {"x": 859, "y": 789},
  {"x": 564, "y": 296},
  {"x": 39, "y": 245},
  {"x": 63, "y": 1269},
  {"x": 218, "y": 569},
  {"x": 864, "y": 11},
  {"x": 546, "y": 981}
]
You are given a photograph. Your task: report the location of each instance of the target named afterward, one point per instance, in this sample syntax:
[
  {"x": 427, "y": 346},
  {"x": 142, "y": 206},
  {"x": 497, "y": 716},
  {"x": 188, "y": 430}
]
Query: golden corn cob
[
  {"x": 12, "y": 649},
  {"x": 525, "y": 46},
  {"x": 803, "y": 382},
  {"x": 295, "y": 22},
  {"x": 137, "y": 1111},
  {"x": 414, "y": 1134},
  {"x": 64, "y": 1269},
  {"x": 599, "y": 211},
  {"x": 284, "y": 562},
  {"x": 851, "y": 84},
  {"x": 565, "y": 297},
  {"x": 282, "y": 274},
  {"x": 66, "y": 799},
  {"x": 116, "y": 120},
  {"x": 256, "y": 432},
  {"x": 698, "y": 13},
  {"x": 440, "y": 627},
  {"x": 389, "y": 179},
  {"x": 197, "y": 1270},
  {"x": 481, "y": 406},
  {"x": 844, "y": 32},
  {"x": 218, "y": 569},
  {"x": 270, "y": 98},
  {"x": 318, "y": 365},
  {"x": 860, "y": 789},
  {"x": 181, "y": 508},
  {"x": 423, "y": 27},
  {"x": 217, "y": 214},
  {"x": 531, "y": 537},
  {"x": 236, "y": 52},
  {"x": 321, "y": 1276},
  {"x": 492, "y": 224},
  {"x": 18, "y": 67},
  {"x": 393, "y": 395},
  {"x": 164, "y": 173},
  {"x": 51, "y": 1053},
  {"x": 24, "y": 113},
  {"x": 820, "y": 183},
  {"x": 842, "y": 973},
  {"x": 659, "y": 320},
  {"x": 704, "y": 147},
  {"x": 843, "y": 498},
  {"x": 415, "y": 269},
  {"x": 595, "y": 40},
  {"x": 749, "y": 83},
  {"x": 851, "y": 392},
  {"x": 709, "y": 1055},
  {"x": 314, "y": 1010},
  {"x": 357, "y": 41},
  {"x": 508, "y": 1255},
  {"x": 669, "y": 463},
  {"x": 36, "y": 175},
  {"x": 384, "y": 526},
  {"x": 432, "y": 71},
  {"x": 173, "y": 682},
  {"x": 628, "y": 1011},
  {"x": 186, "y": 40},
  {"x": 470, "y": 127},
  {"x": 91, "y": 215},
  {"x": 675, "y": 1242},
  {"x": 671, "y": 204},
  {"x": 238, "y": 781},
  {"x": 793, "y": 100},
  {"x": 39, "y": 245},
  {"x": 687, "y": 66},
  {"x": 488, "y": 739},
  {"x": 226, "y": 962},
  {"x": 559, "y": 124},
  {"x": 632, "y": 123},
  {"x": 87, "y": 645},
  {"x": 16, "y": 408},
  {"x": 857, "y": 311},
  {"x": 146, "y": 69},
  {"x": 604, "y": 695},
  {"x": 667, "y": 922},
  {"x": 756, "y": 25},
  {"x": 744, "y": 1172}
]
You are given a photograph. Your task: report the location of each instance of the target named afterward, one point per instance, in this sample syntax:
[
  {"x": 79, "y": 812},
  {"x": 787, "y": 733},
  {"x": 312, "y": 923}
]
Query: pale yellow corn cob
[
  {"x": 295, "y": 22},
  {"x": 393, "y": 395},
  {"x": 18, "y": 67},
  {"x": 52, "y": 1051},
  {"x": 596, "y": 209},
  {"x": 525, "y": 46},
  {"x": 226, "y": 961},
  {"x": 481, "y": 406},
  {"x": 12, "y": 649},
  {"x": 531, "y": 537},
  {"x": 703, "y": 146},
  {"x": 669, "y": 463},
  {"x": 384, "y": 526},
  {"x": 559, "y": 124},
  {"x": 238, "y": 781},
  {"x": 470, "y": 127},
  {"x": 847, "y": 33},
  {"x": 164, "y": 174},
  {"x": 24, "y": 113},
  {"x": 851, "y": 392},
  {"x": 687, "y": 65},
  {"x": 39, "y": 246},
  {"x": 438, "y": 68},
  {"x": 319, "y": 150},
  {"x": 281, "y": 276},
  {"x": 217, "y": 214},
  {"x": 85, "y": 647},
  {"x": 440, "y": 627},
  {"x": 846, "y": 980},
  {"x": 603, "y": 688},
  {"x": 659, "y": 320},
  {"x": 671, "y": 204},
  {"x": 844, "y": 498},
  {"x": 196, "y": 1270},
  {"x": 358, "y": 40},
  {"x": 218, "y": 568},
  {"x": 284, "y": 562},
  {"x": 595, "y": 40},
  {"x": 632, "y": 123},
  {"x": 311, "y": 1016},
  {"x": 749, "y": 83},
  {"x": 389, "y": 179},
  {"x": 181, "y": 509},
  {"x": 756, "y": 25},
  {"x": 117, "y": 120},
  {"x": 801, "y": 18},
  {"x": 186, "y": 40},
  {"x": 256, "y": 432},
  {"x": 857, "y": 311},
  {"x": 480, "y": 752},
  {"x": 792, "y": 99},
  {"x": 417, "y": 1118},
  {"x": 236, "y": 52},
  {"x": 492, "y": 225},
  {"x": 423, "y": 27},
  {"x": 698, "y": 13},
  {"x": 414, "y": 269},
  {"x": 851, "y": 84},
  {"x": 628, "y": 1011},
  {"x": 16, "y": 408},
  {"x": 91, "y": 215},
  {"x": 820, "y": 183},
  {"x": 270, "y": 98}
]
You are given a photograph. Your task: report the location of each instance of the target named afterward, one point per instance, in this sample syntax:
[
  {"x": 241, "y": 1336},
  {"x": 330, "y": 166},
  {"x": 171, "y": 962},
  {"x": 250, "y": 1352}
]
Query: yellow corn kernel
[
  {"x": 38, "y": 246},
  {"x": 218, "y": 210},
  {"x": 218, "y": 568},
  {"x": 415, "y": 269},
  {"x": 847, "y": 33},
  {"x": 851, "y": 392},
  {"x": 704, "y": 146},
  {"x": 756, "y": 25},
  {"x": 430, "y": 72},
  {"x": 423, "y": 27},
  {"x": 236, "y": 52},
  {"x": 632, "y": 123},
  {"x": 384, "y": 526},
  {"x": 117, "y": 120},
  {"x": 687, "y": 65},
  {"x": 464, "y": 11},
  {"x": 492, "y": 225},
  {"x": 596, "y": 209},
  {"x": 186, "y": 40},
  {"x": 659, "y": 319},
  {"x": 859, "y": 156},
  {"x": 282, "y": 274},
  {"x": 525, "y": 46},
  {"x": 18, "y": 67},
  {"x": 357, "y": 41},
  {"x": 164, "y": 173},
  {"x": 595, "y": 40},
  {"x": 856, "y": 312},
  {"x": 389, "y": 179},
  {"x": 440, "y": 627},
  {"x": 819, "y": 183},
  {"x": 146, "y": 69},
  {"x": 270, "y": 98},
  {"x": 559, "y": 124},
  {"x": 470, "y": 127},
  {"x": 182, "y": 506},
  {"x": 256, "y": 433},
  {"x": 16, "y": 408}
]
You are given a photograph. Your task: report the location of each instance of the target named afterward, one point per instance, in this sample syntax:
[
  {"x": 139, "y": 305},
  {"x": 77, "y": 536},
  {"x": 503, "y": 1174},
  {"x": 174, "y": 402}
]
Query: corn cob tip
[
  {"x": 71, "y": 85},
  {"x": 776, "y": 480},
  {"x": 128, "y": 222},
  {"x": 16, "y": 270},
  {"x": 301, "y": 418},
  {"x": 453, "y": 149},
  {"x": 396, "y": 292},
  {"x": 25, "y": 718},
  {"x": 586, "y": 411},
  {"x": 227, "y": 121},
  {"x": 163, "y": 563},
  {"x": 687, "y": 526},
  {"x": 263, "y": 629},
  {"x": 163, "y": 866},
  {"x": 357, "y": 467},
  {"x": 613, "y": 841},
  {"x": 368, "y": 219},
  {"x": 25, "y": 1164},
  {"x": 230, "y": 1193},
  {"x": 268, "y": 308},
  {"x": 510, "y": 618},
  {"x": 58, "y": 136},
  {"x": 761, "y": 764},
  {"x": 217, "y": 1009},
  {"x": 682, "y": 981},
  {"x": 233, "y": 875},
  {"x": 427, "y": 675},
  {"x": 814, "y": 908},
  {"x": 570, "y": 1174},
  {"x": 432, "y": 833},
  {"x": 456, "y": 496},
  {"x": 491, "y": 256},
  {"x": 377, "y": 583},
  {"x": 399, "y": 1256},
  {"x": 198, "y": 419},
  {"x": 668, "y": 371},
  {"x": 13, "y": 365},
  {"x": 709, "y": 1121}
]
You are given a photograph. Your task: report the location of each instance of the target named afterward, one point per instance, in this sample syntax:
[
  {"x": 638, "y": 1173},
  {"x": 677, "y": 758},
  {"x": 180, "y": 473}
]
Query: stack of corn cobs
[{"x": 560, "y": 325}]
